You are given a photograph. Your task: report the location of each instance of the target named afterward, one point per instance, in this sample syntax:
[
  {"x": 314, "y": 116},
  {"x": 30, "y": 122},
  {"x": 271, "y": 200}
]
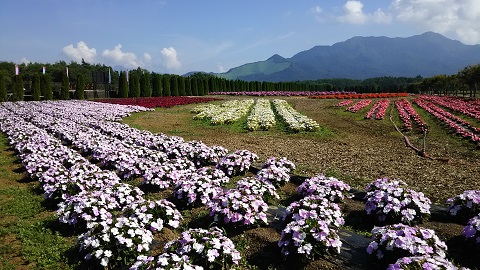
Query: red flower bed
[
  {"x": 358, "y": 96},
  {"x": 153, "y": 102}
]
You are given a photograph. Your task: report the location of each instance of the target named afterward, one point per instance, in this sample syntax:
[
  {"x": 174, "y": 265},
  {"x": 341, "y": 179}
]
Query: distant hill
[{"x": 426, "y": 55}]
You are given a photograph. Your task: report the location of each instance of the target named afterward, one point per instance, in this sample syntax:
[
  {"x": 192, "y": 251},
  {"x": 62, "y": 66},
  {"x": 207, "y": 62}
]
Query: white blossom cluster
[{"x": 295, "y": 121}]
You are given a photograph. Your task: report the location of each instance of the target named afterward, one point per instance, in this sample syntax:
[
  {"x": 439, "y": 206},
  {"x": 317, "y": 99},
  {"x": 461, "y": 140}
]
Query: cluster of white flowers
[
  {"x": 295, "y": 121},
  {"x": 261, "y": 116},
  {"x": 226, "y": 113}
]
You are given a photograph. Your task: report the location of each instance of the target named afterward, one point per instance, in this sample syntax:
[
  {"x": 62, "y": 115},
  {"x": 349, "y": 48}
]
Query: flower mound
[
  {"x": 276, "y": 171},
  {"x": 396, "y": 241},
  {"x": 422, "y": 263},
  {"x": 252, "y": 186},
  {"x": 465, "y": 205},
  {"x": 472, "y": 230},
  {"x": 327, "y": 187},
  {"x": 235, "y": 206},
  {"x": 315, "y": 206},
  {"x": 237, "y": 163},
  {"x": 392, "y": 202},
  {"x": 207, "y": 248}
]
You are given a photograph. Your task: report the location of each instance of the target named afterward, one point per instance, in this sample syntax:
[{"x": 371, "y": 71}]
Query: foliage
[
  {"x": 123, "y": 85},
  {"x": 80, "y": 90},
  {"x": 65, "y": 90},
  {"x": 36, "y": 91},
  {"x": 3, "y": 89}
]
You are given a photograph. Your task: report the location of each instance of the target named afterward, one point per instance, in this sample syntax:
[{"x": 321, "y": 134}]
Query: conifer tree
[
  {"x": 134, "y": 85},
  {"x": 174, "y": 86},
  {"x": 166, "y": 85},
  {"x": 3, "y": 89},
  {"x": 146, "y": 88},
  {"x": 157, "y": 85},
  {"x": 80, "y": 90},
  {"x": 194, "y": 86},
  {"x": 46, "y": 87},
  {"x": 123, "y": 85},
  {"x": 36, "y": 93},
  {"x": 65, "y": 90},
  {"x": 181, "y": 86}
]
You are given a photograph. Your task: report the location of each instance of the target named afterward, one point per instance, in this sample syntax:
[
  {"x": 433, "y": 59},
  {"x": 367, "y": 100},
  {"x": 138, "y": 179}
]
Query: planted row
[{"x": 294, "y": 120}]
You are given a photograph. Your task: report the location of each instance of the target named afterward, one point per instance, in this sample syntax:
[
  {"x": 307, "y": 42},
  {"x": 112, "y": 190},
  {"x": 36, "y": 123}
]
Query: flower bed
[
  {"x": 359, "y": 105},
  {"x": 378, "y": 109},
  {"x": 458, "y": 125},
  {"x": 262, "y": 116},
  {"x": 391, "y": 201},
  {"x": 407, "y": 113},
  {"x": 156, "y": 102},
  {"x": 294, "y": 120},
  {"x": 360, "y": 96}
]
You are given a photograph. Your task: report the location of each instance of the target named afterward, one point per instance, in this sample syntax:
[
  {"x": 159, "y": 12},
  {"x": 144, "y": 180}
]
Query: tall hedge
[
  {"x": 65, "y": 90},
  {"x": 36, "y": 92},
  {"x": 146, "y": 88},
  {"x": 46, "y": 87},
  {"x": 157, "y": 85},
  {"x": 3, "y": 89},
  {"x": 166, "y": 85},
  {"x": 17, "y": 89},
  {"x": 123, "y": 85},
  {"x": 80, "y": 90},
  {"x": 134, "y": 85}
]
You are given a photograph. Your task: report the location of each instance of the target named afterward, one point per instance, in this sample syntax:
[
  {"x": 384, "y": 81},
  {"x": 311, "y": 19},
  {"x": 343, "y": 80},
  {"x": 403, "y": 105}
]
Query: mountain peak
[{"x": 427, "y": 54}]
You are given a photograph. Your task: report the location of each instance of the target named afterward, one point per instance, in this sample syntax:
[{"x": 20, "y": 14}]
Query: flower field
[
  {"x": 142, "y": 200},
  {"x": 259, "y": 114},
  {"x": 156, "y": 102}
]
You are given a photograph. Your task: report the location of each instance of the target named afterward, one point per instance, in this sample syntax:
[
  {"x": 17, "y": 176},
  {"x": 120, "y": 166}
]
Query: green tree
[
  {"x": 194, "y": 86},
  {"x": 3, "y": 89},
  {"x": 80, "y": 90},
  {"x": 166, "y": 85},
  {"x": 134, "y": 85},
  {"x": 17, "y": 89},
  {"x": 46, "y": 87},
  {"x": 65, "y": 90},
  {"x": 123, "y": 85},
  {"x": 174, "y": 86},
  {"x": 181, "y": 86},
  {"x": 157, "y": 85},
  {"x": 146, "y": 87},
  {"x": 188, "y": 86},
  {"x": 36, "y": 93}
]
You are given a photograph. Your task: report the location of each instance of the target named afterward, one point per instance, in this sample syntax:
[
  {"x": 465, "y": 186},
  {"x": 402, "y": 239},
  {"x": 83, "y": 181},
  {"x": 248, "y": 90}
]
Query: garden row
[
  {"x": 81, "y": 158},
  {"x": 346, "y": 95},
  {"x": 155, "y": 102},
  {"x": 411, "y": 119},
  {"x": 280, "y": 93},
  {"x": 259, "y": 113}
]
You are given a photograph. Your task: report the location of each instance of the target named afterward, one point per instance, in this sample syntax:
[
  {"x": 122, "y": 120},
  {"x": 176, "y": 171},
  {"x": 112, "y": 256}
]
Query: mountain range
[{"x": 423, "y": 55}]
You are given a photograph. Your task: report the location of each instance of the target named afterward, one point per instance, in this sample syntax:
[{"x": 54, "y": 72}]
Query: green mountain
[{"x": 426, "y": 55}]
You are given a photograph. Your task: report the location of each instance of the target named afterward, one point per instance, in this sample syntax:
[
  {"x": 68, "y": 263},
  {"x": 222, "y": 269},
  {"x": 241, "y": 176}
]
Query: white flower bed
[
  {"x": 295, "y": 120},
  {"x": 226, "y": 113},
  {"x": 262, "y": 116}
]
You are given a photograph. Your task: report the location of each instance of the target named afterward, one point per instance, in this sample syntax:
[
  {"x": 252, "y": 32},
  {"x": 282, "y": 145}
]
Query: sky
[{"x": 180, "y": 36}]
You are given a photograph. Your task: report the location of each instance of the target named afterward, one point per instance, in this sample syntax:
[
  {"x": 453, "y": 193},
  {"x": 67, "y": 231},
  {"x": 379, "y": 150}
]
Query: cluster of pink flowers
[
  {"x": 344, "y": 103},
  {"x": 466, "y": 107},
  {"x": 407, "y": 113},
  {"x": 458, "y": 125},
  {"x": 359, "y": 105},
  {"x": 378, "y": 109}
]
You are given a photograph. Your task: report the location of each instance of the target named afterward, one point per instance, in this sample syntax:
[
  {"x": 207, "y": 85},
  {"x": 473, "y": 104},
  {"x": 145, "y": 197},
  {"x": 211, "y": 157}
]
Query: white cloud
[
  {"x": 354, "y": 14},
  {"x": 171, "y": 59},
  {"x": 25, "y": 61},
  {"x": 457, "y": 17},
  {"x": 125, "y": 59},
  {"x": 316, "y": 11},
  {"x": 82, "y": 51}
]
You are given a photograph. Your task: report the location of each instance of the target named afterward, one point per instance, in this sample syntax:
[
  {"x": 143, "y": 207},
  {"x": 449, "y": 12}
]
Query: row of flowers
[
  {"x": 378, "y": 109},
  {"x": 466, "y": 107},
  {"x": 360, "y": 96},
  {"x": 408, "y": 114},
  {"x": 226, "y": 113},
  {"x": 459, "y": 126},
  {"x": 294, "y": 120},
  {"x": 157, "y": 102},
  {"x": 261, "y": 116},
  {"x": 280, "y": 93},
  {"x": 359, "y": 105}
]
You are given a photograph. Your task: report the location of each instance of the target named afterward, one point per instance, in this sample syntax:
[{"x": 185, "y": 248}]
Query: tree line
[{"x": 57, "y": 84}]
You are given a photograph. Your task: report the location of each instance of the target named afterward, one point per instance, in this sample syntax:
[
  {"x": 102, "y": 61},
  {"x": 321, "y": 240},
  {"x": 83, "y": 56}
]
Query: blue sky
[{"x": 213, "y": 35}]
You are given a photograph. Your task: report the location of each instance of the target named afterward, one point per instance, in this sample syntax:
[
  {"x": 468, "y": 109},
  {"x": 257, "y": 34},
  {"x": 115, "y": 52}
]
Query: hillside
[{"x": 426, "y": 55}]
